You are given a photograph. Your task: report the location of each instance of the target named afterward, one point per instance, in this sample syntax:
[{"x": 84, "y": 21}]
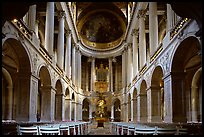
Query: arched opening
[
  {"x": 58, "y": 101},
  {"x": 67, "y": 104},
  {"x": 117, "y": 110},
  {"x": 184, "y": 66},
  {"x": 135, "y": 105},
  {"x": 44, "y": 95},
  {"x": 16, "y": 78},
  {"x": 157, "y": 95},
  {"x": 196, "y": 97},
  {"x": 73, "y": 108},
  {"x": 129, "y": 107},
  {"x": 85, "y": 110},
  {"x": 142, "y": 100}
]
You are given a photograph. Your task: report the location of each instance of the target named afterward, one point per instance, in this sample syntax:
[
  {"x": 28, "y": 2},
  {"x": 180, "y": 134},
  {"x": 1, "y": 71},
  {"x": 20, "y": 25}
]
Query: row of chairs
[
  {"x": 123, "y": 128},
  {"x": 72, "y": 128}
]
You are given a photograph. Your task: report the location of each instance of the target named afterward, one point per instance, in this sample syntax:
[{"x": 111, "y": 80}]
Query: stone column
[
  {"x": 70, "y": 110},
  {"x": 49, "y": 28},
  {"x": 169, "y": 17},
  {"x": 124, "y": 68},
  {"x": 194, "y": 103},
  {"x": 135, "y": 52},
  {"x": 33, "y": 98},
  {"x": 153, "y": 27},
  {"x": 92, "y": 74},
  {"x": 132, "y": 109},
  {"x": 142, "y": 38},
  {"x": 36, "y": 27},
  {"x": 129, "y": 60},
  {"x": 87, "y": 77},
  {"x": 68, "y": 54},
  {"x": 32, "y": 17},
  {"x": 168, "y": 112},
  {"x": 116, "y": 78},
  {"x": 79, "y": 69},
  {"x": 110, "y": 75},
  {"x": 60, "y": 41},
  {"x": 9, "y": 103},
  {"x": 73, "y": 64}
]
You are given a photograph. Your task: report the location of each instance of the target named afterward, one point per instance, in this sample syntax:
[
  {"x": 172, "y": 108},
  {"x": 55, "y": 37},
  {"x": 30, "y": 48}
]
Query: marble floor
[{"x": 106, "y": 130}]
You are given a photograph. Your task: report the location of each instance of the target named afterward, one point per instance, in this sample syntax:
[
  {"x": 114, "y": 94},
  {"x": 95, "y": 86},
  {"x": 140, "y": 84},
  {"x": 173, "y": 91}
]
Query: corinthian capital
[
  {"x": 142, "y": 13},
  {"x": 61, "y": 14},
  {"x": 135, "y": 32}
]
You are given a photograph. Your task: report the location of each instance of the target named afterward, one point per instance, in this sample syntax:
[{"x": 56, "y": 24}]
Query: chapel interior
[{"x": 118, "y": 68}]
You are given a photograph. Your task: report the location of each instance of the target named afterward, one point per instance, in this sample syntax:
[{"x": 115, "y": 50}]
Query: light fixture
[{"x": 15, "y": 20}]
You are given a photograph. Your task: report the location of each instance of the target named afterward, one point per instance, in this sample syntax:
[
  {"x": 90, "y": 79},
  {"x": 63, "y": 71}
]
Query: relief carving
[{"x": 165, "y": 62}]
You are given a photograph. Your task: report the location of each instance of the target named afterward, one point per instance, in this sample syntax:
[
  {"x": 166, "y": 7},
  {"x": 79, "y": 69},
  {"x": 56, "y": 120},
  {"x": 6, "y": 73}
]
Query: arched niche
[{"x": 16, "y": 65}]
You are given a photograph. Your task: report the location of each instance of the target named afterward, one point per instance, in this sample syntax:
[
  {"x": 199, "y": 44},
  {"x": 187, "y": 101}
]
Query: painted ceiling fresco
[{"x": 102, "y": 27}]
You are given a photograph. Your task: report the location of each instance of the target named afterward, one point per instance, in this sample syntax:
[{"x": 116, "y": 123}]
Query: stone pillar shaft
[
  {"x": 153, "y": 27},
  {"x": 49, "y": 28},
  {"x": 68, "y": 54},
  {"x": 142, "y": 38},
  {"x": 135, "y": 53},
  {"x": 60, "y": 41},
  {"x": 32, "y": 17}
]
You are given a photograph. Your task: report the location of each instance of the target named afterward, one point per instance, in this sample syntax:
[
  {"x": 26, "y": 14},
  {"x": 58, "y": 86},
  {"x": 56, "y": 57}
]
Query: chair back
[
  {"x": 48, "y": 130},
  {"x": 31, "y": 130},
  {"x": 143, "y": 130},
  {"x": 64, "y": 130},
  {"x": 166, "y": 131}
]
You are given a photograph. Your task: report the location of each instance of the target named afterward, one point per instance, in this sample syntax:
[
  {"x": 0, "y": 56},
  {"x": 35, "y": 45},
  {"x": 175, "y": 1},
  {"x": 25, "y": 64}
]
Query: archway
[
  {"x": 16, "y": 78},
  {"x": 184, "y": 65},
  {"x": 157, "y": 95},
  {"x": 129, "y": 107},
  {"x": 67, "y": 105},
  {"x": 58, "y": 101},
  {"x": 85, "y": 109},
  {"x": 73, "y": 117},
  {"x": 196, "y": 96},
  {"x": 135, "y": 105},
  {"x": 44, "y": 95},
  {"x": 142, "y": 100}
]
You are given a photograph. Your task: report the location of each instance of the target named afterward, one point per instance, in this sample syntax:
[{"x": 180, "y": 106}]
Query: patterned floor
[{"x": 100, "y": 130}]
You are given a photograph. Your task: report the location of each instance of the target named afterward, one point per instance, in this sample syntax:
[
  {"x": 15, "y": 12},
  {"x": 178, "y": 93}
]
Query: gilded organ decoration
[{"x": 101, "y": 84}]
